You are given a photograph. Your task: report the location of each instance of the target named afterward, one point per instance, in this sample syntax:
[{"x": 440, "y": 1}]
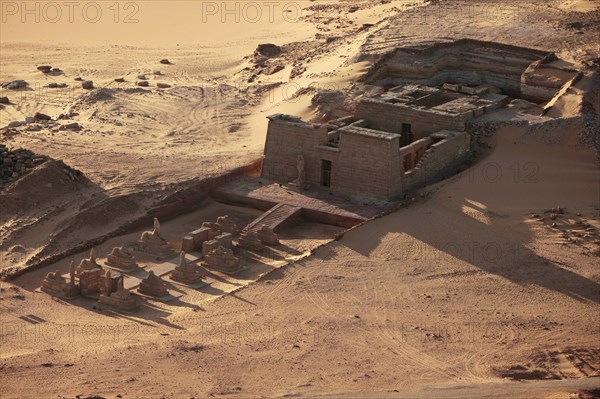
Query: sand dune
[{"x": 478, "y": 288}]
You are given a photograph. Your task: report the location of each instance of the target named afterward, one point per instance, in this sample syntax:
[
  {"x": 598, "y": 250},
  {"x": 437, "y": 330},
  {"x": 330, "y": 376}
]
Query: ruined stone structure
[
  {"x": 223, "y": 240},
  {"x": 153, "y": 286},
  {"x": 213, "y": 229},
  {"x": 121, "y": 299},
  {"x": 413, "y": 131},
  {"x": 267, "y": 236},
  {"x": 89, "y": 263},
  {"x": 88, "y": 279},
  {"x": 186, "y": 272},
  {"x": 222, "y": 259},
  {"x": 194, "y": 240},
  {"x": 121, "y": 258},
  {"x": 249, "y": 240},
  {"x": 349, "y": 157},
  {"x": 55, "y": 284},
  {"x": 225, "y": 224},
  {"x": 90, "y": 275},
  {"x": 152, "y": 243},
  {"x": 516, "y": 71},
  {"x": 274, "y": 219}
]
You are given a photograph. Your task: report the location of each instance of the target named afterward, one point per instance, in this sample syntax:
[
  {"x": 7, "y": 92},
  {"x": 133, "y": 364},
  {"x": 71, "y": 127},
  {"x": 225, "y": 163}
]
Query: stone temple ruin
[
  {"x": 87, "y": 279},
  {"x": 412, "y": 126},
  {"x": 222, "y": 259},
  {"x": 121, "y": 258},
  {"x": 121, "y": 299},
  {"x": 153, "y": 285},
  {"x": 414, "y": 130},
  {"x": 113, "y": 282},
  {"x": 153, "y": 243}
]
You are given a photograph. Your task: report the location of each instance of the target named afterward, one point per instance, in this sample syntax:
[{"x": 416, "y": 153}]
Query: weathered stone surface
[
  {"x": 71, "y": 126},
  {"x": 224, "y": 223},
  {"x": 267, "y": 236},
  {"x": 16, "y": 84},
  {"x": 89, "y": 263},
  {"x": 151, "y": 242},
  {"x": 222, "y": 259},
  {"x": 42, "y": 117},
  {"x": 194, "y": 240},
  {"x": 87, "y": 85},
  {"x": 163, "y": 85},
  {"x": 209, "y": 246},
  {"x": 250, "y": 241},
  {"x": 187, "y": 244},
  {"x": 186, "y": 272},
  {"x": 153, "y": 286},
  {"x": 55, "y": 284},
  {"x": 165, "y": 61},
  {"x": 268, "y": 50},
  {"x": 121, "y": 258},
  {"x": 44, "y": 68},
  {"x": 355, "y": 158},
  {"x": 55, "y": 85},
  {"x": 121, "y": 299},
  {"x": 273, "y": 69},
  {"x": 213, "y": 229}
]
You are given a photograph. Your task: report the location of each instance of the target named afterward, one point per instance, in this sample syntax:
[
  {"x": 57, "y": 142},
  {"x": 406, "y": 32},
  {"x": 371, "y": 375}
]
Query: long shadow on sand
[{"x": 485, "y": 245}]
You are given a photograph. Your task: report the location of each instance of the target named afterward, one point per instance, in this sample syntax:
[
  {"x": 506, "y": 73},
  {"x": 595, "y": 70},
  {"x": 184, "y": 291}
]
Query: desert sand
[{"x": 467, "y": 292}]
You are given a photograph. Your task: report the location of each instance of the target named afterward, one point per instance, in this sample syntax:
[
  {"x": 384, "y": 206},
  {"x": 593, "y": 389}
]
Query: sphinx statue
[
  {"x": 186, "y": 272},
  {"x": 56, "y": 284},
  {"x": 153, "y": 285},
  {"x": 151, "y": 242},
  {"x": 89, "y": 263},
  {"x": 152, "y": 235},
  {"x": 121, "y": 258}
]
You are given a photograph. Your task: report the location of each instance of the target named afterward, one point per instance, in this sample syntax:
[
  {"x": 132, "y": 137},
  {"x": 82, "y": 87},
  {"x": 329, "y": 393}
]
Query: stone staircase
[{"x": 275, "y": 217}]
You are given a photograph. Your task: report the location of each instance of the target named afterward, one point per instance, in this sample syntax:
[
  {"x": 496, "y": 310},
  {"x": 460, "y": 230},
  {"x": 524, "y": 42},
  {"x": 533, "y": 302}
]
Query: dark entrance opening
[
  {"x": 325, "y": 173},
  {"x": 407, "y": 135}
]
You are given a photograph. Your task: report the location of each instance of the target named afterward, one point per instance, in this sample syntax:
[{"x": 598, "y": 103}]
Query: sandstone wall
[
  {"x": 361, "y": 163},
  {"x": 440, "y": 161},
  {"x": 368, "y": 165},
  {"x": 390, "y": 117},
  {"x": 285, "y": 141},
  {"x": 467, "y": 62}
]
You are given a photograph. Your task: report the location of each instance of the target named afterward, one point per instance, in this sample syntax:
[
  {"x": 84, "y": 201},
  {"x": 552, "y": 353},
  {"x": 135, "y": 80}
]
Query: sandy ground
[
  {"x": 463, "y": 287},
  {"x": 451, "y": 297}
]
